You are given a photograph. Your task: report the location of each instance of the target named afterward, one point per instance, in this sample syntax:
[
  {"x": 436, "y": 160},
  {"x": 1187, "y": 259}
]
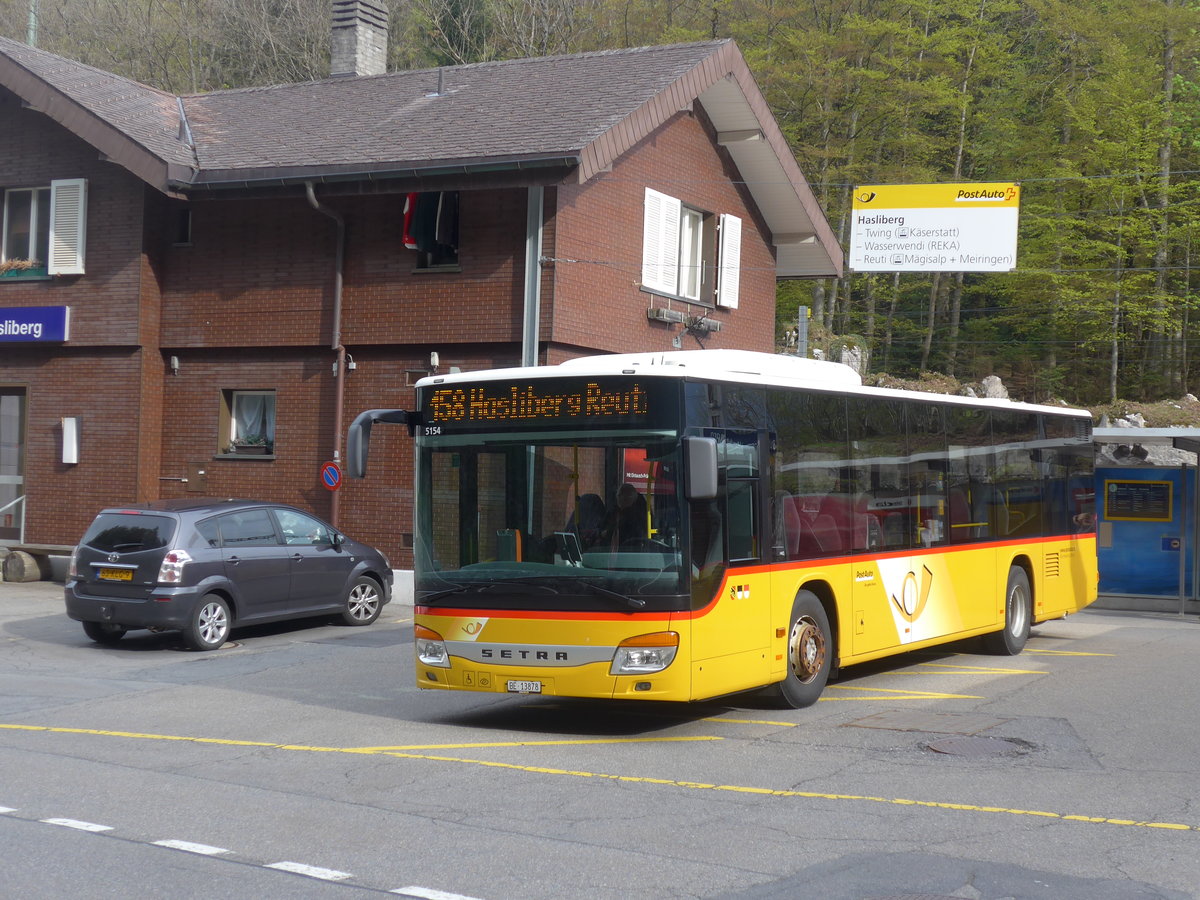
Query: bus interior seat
[
  {"x": 790, "y": 524},
  {"x": 509, "y": 544},
  {"x": 828, "y": 536}
]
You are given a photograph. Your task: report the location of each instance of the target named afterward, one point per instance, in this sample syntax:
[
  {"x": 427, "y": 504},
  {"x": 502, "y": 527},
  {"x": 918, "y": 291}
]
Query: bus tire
[
  {"x": 809, "y": 653},
  {"x": 1018, "y": 616}
]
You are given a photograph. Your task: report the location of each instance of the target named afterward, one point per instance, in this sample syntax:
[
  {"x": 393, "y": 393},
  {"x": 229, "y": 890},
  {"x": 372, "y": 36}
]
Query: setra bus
[{"x": 692, "y": 524}]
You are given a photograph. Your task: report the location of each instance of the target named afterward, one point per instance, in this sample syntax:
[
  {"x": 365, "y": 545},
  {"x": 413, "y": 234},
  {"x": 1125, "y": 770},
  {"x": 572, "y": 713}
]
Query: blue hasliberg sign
[{"x": 35, "y": 323}]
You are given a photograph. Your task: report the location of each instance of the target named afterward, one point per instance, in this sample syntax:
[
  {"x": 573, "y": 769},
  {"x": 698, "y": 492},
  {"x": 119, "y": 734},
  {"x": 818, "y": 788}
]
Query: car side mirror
[{"x": 336, "y": 539}]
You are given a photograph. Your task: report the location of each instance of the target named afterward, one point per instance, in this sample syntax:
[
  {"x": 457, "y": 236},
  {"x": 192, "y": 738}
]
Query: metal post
[
  {"x": 802, "y": 331},
  {"x": 1183, "y": 512}
]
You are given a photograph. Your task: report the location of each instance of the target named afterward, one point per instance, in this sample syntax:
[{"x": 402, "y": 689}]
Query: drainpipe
[
  {"x": 533, "y": 276},
  {"x": 339, "y": 366}
]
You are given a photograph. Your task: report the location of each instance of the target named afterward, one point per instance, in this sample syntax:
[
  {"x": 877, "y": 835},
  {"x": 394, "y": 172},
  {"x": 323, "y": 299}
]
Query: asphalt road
[{"x": 300, "y": 761}]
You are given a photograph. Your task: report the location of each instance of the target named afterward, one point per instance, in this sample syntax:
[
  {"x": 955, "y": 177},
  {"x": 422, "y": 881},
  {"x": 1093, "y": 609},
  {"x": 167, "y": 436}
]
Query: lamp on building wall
[
  {"x": 173, "y": 362},
  {"x": 70, "y": 440}
]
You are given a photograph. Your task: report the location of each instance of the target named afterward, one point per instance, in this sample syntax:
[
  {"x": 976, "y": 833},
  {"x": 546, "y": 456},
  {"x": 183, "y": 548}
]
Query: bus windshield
[{"x": 562, "y": 521}]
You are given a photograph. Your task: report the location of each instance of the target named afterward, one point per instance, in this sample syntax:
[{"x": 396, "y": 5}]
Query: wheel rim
[
  {"x": 212, "y": 623},
  {"x": 1018, "y": 610},
  {"x": 363, "y": 602},
  {"x": 806, "y": 649}
]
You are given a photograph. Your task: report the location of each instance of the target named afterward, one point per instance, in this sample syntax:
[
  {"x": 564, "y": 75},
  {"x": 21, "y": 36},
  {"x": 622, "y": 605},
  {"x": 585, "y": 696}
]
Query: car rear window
[{"x": 128, "y": 533}]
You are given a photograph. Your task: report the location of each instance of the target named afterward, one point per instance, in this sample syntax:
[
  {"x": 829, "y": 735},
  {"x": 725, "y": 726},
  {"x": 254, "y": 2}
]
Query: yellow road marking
[
  {"x": 1065, "y": 652},
  {"x": 366, "y": 750},
  {"x": 983, "y": 670},
  {"x": 627, "y": 779},
  {"x": 749, "y": 721},
  {"x": 563, "y": 743},
  {"x": 895, "y": 693}
]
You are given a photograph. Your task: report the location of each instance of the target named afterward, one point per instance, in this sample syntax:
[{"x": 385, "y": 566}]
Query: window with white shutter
[
  {"x": 660, "y": 242},
  {"x": 680, "y": 251},
  {"x": 68, "y": 226},
  {"x": 730, "y": 261}
]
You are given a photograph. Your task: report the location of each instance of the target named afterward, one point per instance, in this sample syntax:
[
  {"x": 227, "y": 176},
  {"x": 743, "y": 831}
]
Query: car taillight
[
  {"x": 171, "y": 570},
  {"x": 72, "y": 570}
]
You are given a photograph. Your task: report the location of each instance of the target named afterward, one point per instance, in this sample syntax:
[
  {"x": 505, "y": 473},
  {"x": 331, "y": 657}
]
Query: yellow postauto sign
[{"x": 935, "y": 227}]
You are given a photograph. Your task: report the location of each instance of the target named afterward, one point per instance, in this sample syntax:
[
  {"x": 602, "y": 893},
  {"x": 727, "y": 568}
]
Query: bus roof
[{"x": 736, "y": 366}]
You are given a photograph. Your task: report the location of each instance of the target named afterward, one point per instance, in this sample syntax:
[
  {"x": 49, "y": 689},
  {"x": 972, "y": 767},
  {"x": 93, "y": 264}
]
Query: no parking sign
[{"x": 331, "y": 476}]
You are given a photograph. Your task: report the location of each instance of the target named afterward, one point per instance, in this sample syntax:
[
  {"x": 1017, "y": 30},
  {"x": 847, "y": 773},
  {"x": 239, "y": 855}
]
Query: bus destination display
[{"x": 487, "y": 406}]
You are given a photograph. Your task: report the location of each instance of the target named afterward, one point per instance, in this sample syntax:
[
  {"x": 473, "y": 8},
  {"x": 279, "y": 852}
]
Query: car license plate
[
  {"x": 116, "y": 574},
  {"x": 524, "y": 687}
]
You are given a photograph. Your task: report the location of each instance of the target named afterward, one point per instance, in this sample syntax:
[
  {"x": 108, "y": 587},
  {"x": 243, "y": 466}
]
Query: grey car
[{"x": 203, "y": 566}]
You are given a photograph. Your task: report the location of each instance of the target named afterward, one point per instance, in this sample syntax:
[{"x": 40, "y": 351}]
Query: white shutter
[
  {"x": 68, "y": 226},
  {"x": 730, "y": 271},
  {"x": 660, "y": 242}
]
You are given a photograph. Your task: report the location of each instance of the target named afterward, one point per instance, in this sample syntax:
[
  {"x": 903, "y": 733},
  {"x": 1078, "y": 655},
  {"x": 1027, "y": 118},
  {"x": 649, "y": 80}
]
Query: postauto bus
[{"x": 691, "y": 524}]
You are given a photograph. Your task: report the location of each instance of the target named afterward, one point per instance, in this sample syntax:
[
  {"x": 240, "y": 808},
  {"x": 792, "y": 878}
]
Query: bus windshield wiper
[
  {"x": 445, "y": 592},
  {"x": 485, "y": 587},
  {"x": 634, "y": 602}
]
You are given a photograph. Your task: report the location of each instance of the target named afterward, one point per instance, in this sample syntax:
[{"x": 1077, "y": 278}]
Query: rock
[
  {"x": 994, "y": 388},
  {"x": 21, "y": 567}
]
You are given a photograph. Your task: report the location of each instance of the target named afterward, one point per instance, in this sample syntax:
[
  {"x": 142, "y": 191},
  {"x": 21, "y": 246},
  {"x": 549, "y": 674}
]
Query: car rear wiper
[{"x": 633, "y": 602}]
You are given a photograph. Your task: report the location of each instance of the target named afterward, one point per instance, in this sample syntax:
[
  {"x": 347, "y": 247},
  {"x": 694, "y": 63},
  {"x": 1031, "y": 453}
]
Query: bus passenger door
[{"x": 731, "y": 627}]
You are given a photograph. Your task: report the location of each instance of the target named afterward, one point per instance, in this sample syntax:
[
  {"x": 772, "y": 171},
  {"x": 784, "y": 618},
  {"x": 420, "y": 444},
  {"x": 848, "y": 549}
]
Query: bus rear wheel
[
  {"x": 809, "y": 653},
  {"x": 1018, "y": 616}
]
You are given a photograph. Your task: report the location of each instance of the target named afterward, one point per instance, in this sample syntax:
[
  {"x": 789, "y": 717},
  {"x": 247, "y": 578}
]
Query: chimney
[{"x": 360, "y": 32}]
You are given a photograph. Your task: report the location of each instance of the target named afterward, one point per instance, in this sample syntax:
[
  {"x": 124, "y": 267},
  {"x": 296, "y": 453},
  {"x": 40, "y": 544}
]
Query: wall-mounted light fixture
[
  {"x": 173, "y": 362},
  {"x": 70, "y": 440}
]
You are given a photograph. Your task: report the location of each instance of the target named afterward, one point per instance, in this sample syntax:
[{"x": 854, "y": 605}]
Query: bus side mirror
[
  {"x": 358, "y": 438},
  {"x": 700, "y": 454}
]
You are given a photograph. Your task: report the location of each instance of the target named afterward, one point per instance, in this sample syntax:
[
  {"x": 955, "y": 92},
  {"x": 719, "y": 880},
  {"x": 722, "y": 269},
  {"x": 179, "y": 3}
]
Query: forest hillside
[{"x": 1092, "y": 108}]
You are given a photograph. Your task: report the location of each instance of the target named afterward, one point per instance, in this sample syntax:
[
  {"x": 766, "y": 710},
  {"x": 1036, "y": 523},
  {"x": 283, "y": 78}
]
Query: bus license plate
[
  {"x": 524, "y": 687},
  {"x": 116, "y": 574}
]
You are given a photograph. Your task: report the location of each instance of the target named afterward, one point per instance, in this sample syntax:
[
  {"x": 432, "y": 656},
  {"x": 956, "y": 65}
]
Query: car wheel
[
  {"x": 363, "y": 602},
  {"x": 208, "y": 628},
  {"x": 1018, "y": 606},
  {"x": 103, "y": 632},
  {"x": 809, "y": 653}
]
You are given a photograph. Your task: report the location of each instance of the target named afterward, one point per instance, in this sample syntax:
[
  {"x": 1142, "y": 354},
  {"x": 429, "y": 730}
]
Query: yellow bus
[{"x": 693, "y": 524}]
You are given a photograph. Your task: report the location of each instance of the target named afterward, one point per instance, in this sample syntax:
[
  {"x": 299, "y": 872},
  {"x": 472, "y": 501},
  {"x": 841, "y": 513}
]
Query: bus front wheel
[
  {"x": 1018, "y": 613},
  {"x": 809, "y": 653}
]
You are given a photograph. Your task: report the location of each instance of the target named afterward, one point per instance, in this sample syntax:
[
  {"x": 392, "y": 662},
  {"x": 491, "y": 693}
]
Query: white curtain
[{"x": 254, "y": 414}]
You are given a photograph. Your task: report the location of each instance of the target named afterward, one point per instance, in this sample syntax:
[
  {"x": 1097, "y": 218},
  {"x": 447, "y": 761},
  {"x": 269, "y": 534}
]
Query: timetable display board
[{"x": 1138, "y": 501}]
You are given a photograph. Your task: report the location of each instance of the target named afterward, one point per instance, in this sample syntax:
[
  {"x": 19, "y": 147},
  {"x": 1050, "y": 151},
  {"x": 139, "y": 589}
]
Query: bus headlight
[
  {"x": 645, "y": 653},
  {"x": 431, "y": 649}
]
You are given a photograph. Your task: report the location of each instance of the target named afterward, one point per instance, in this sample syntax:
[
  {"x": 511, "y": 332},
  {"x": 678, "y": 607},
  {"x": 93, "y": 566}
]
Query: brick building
[{"x": 199, "y": 293}]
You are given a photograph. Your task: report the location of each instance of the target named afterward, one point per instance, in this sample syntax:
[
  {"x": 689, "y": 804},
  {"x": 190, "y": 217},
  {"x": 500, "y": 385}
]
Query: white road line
[
  {"x": 430, "y": 894},
  {"x": 75, "y": 823},
  {"x": 189, "y": 847},
  {"x": 7, "y": 809},
  {"x": 310, "y": 871}
]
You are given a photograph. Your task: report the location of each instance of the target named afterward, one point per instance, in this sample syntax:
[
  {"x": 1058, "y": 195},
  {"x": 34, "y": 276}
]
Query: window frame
[
  {"x": 228, "y": 426},
  {"x": 685, "y": 252},
  {"x": 64, "y": 233},
  {"x": 37, "y": 231}
]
